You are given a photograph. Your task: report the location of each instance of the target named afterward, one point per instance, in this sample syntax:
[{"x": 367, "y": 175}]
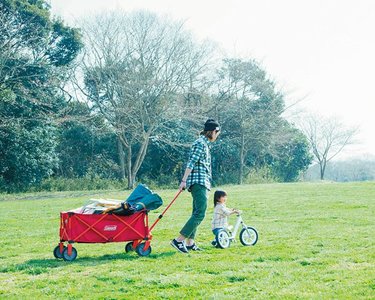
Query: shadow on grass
[{"x": 39, "y": 266}]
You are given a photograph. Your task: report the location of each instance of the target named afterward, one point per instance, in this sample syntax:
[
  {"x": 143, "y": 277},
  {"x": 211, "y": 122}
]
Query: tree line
[
  {"x": 356, "y": 169},
  {"x": 123, "y": 96}
]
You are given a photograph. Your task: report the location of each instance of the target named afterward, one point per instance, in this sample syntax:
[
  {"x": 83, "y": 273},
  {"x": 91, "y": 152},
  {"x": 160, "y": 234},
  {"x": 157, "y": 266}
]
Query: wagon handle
[{"x": 169, "y": 205}]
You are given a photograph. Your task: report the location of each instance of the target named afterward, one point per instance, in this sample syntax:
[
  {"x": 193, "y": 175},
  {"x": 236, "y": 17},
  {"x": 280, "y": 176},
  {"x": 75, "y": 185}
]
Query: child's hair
[{"x": 218, "y": 194}]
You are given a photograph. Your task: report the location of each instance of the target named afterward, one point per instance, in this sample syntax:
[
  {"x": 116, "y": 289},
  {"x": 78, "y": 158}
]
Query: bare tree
[
  {"x": 137, "y": 69},
  {"x": 327, "y": 138}
]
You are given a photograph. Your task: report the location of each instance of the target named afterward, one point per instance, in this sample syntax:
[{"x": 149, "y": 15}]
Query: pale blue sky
[{"x": 322, "y": 51}]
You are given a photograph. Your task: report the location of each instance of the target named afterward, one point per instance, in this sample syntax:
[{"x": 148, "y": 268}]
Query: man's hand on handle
[
  {"x": 182, "y": 185},
  {"x": 184, "y": 178}
]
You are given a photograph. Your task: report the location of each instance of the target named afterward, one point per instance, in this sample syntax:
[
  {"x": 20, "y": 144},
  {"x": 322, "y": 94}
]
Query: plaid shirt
[
  {"x": 200, "y": 163},
  {"x": 221, "y": 213}
]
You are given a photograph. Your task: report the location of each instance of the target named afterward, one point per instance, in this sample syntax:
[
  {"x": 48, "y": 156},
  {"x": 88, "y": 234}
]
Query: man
[{"x": 197, "y": 179}]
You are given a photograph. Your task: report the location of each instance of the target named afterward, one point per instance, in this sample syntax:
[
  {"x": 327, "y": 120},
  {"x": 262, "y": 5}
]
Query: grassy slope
[{"x": 316, "y": 241}]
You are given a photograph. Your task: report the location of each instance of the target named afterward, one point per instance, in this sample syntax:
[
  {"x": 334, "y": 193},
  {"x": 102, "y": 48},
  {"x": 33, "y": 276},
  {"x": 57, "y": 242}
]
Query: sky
[{"x": 320, "y": 52}]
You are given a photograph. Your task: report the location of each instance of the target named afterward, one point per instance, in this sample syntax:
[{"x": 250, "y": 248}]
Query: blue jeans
[{"x": 216, "y": 231}]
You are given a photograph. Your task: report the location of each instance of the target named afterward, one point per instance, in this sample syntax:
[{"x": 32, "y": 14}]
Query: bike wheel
[
  {"x": 222, "y": 239},
  {"x": 248, "y": 236}
]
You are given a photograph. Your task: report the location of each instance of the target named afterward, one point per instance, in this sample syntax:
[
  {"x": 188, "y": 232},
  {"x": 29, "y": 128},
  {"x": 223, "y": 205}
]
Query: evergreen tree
[{"x": 35, "y": 51}]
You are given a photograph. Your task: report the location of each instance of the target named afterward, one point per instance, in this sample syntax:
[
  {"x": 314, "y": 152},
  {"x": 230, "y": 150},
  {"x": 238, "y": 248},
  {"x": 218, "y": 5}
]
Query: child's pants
[{"x": 216, "y": 230}]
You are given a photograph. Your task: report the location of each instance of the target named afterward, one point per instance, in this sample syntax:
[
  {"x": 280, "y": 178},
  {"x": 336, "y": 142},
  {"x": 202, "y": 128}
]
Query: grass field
[{"x": 316, "y": 241}]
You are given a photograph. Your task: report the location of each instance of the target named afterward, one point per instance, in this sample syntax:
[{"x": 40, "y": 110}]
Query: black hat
[{"x": 211, "y": 125}]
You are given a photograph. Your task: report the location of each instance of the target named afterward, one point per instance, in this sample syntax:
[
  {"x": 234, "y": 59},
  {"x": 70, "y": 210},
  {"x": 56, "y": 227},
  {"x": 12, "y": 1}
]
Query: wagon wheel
[
  {"x": 57, "y": 253},
  {"x": 68, "y": 257},
  {"x": 129, "y": 247},
  {"x": 141, "y": 249}
]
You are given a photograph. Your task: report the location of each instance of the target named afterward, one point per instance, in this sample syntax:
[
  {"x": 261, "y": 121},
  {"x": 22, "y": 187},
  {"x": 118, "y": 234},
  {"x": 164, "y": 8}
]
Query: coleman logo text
[{"x": 110, "y": 227}]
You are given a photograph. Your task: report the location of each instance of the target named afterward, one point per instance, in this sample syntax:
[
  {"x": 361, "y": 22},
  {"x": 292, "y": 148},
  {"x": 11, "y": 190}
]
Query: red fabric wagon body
[
  {"x": 78, "y": 227},
  {"x": 103, "y": 228}
]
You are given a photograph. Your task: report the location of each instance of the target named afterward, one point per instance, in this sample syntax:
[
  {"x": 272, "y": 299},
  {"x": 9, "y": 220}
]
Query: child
[{"x": 221, "y": 213}]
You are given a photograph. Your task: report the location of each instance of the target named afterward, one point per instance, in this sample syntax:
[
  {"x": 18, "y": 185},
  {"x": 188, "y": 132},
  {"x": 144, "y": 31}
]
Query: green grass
[{"x": 316, "y": 241}]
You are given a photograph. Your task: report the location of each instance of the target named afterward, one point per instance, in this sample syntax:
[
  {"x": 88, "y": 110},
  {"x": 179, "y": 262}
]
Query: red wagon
[{"x": 105, "y": 228}]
